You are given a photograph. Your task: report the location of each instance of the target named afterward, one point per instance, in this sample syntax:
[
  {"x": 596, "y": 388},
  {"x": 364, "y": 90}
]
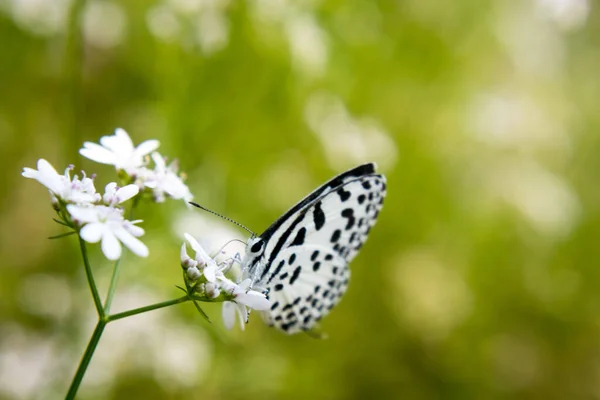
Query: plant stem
[
  {"x": 151, "y": 307},
  {"x": 115, "y": 275},
  {"x": 85, "y": 360},
  {"x": 90, "y": 278},
  {"x": 112, "y": 288}
]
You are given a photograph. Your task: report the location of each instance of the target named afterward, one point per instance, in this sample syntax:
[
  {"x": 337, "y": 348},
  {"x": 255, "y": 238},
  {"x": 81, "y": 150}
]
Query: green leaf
[
  {"x": 62, "y": 235},
  {"x": 201, "y": 311}
]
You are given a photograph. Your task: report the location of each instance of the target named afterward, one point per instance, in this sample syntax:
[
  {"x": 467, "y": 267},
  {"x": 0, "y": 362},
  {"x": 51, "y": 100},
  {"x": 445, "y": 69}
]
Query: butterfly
[{"x": 301, "y": 260}]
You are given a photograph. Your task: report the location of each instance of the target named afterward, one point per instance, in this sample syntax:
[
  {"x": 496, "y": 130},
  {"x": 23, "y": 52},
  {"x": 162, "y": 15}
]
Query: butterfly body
[{"x": 301, "y": 260}]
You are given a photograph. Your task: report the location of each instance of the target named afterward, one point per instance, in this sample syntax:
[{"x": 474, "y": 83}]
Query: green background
[{"x": 481, "y": 279}]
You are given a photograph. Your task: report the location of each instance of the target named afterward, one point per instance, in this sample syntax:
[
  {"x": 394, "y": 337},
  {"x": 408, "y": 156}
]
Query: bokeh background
[{"x": 481, "y": 279}]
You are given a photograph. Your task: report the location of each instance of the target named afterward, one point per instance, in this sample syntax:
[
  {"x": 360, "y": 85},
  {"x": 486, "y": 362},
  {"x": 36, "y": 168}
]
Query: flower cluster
[
  {"x": 96, "y": 217},
  {"x": 205, "y": 279},
  {"x": 148, "y": 173},
  {"x": 100, "y": 217}
]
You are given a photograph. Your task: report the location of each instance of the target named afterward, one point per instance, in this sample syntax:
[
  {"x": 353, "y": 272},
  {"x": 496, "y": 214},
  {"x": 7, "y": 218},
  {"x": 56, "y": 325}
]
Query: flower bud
[
  {"x": 212, "y": 290},
  {"x": 193, "y": 273}
]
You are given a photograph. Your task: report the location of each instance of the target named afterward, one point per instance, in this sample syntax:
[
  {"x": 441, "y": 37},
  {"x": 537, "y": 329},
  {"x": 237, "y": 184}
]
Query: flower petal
[
  {"x": 97, "y": 153},
  {"x": 111, "y": 246},
  {"x": 254, "y": 299},
  {"x": 134, "y": 230},
  {"x": 29, "y": 173},
  {"x": 245, "y": 284},
  {"x": 127, "y": 192},
  {"x": 119, "y": 143},
  {"x": 159, "y": 161},
  {"x": 146, "y": 147},
  {"x": 228, "y": 314},
  {"x": 132, "y": 243},
  {"x": 83, "y": 214},
  {"x": 183, "y": 255},
  {"x": 210, "y": 272},
  {"x": 45, "y": 167},
  {"x": 242, "y": 314},
  {"x": 92, "y": 233},
  {"x": 201, "y": 255}
]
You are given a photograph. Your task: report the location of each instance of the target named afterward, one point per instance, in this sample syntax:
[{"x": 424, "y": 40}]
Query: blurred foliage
[{"x": 481, "y": 278}]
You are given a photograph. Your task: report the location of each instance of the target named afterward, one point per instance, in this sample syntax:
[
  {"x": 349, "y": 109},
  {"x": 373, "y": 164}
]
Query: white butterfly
[{"x": 301, "y": 260}]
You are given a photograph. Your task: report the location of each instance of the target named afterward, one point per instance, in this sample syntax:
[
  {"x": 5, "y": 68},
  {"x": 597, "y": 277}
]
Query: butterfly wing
[
  {"x": 305, "y": 264},
  {"x": 307, "y": 283}
]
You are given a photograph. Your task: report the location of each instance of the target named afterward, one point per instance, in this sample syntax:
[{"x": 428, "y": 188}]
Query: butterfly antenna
[{"x": 222, "y": 216}]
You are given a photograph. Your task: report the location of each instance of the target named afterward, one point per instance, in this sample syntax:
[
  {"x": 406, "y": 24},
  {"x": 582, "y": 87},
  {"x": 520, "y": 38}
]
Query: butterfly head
[{"x": 255, "y": 247}]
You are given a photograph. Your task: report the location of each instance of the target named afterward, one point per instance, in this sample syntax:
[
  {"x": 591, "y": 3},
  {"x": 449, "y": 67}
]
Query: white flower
[
  {"x": 113, "y": 196},
  {"x": 106, "y": 224},
  {"x": 202, "y": 260},
  {"x": 118, "y": 150},
  {"x": 164, "y": 180},
  {"x": 244, "y": 298},
  {"x": 212, "y": 290},
  {"x": 62, "y": 186}
]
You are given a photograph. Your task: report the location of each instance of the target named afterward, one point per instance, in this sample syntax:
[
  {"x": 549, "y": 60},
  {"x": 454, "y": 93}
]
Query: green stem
[
  {"x": 112, "y": 288},
  {"x": 136, "y": 201},
  {"x": 115, "y": 275},
  {"x": 90, "y": 278},
  {"x": 151, "y": 307},
  {"x": 85, "y": 360}
]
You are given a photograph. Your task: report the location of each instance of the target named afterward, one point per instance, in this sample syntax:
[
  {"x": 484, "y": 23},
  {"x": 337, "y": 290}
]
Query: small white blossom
[
  {"x": 203, "y": 261},
  {"x": 212, "y": 290},
  {"x": 164, "y": 180},
  {"x": 118, "y": 150},
  {"x": 193, "y": 273},
  {"x": 62, "y": 187},
  {"x": 186, "y": 261},
  {"x": 113, "y": 195},
  {"x": 106, "y": 224}
]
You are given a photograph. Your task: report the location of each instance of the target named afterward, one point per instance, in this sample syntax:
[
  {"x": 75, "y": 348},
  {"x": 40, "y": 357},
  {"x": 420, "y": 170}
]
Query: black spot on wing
[
  {"x": 348, "y": 213},
  {"x": 314, "y": 255},
  {"x": 295, "y": 275},
  {"x": 300, "y": 237},
  {"x": 335, "y": 236},
  {"x": 344, "y": 194},
  {"x": 318, "y": 216},
  {"x": 281, "y": 264}
]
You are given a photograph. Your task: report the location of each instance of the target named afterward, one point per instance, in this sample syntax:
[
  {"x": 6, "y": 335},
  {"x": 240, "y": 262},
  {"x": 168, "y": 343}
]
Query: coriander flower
[
  {"x": 62, "y": 187},
  {"x": 237, "y": 298},
  {"x": 114, "y": 195},
  {"x": 164, "y": 180},
  {"x": 201, "y": 264},
  {"x": 106, "y": 224},
  {"x": 118, "y": 150}
]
